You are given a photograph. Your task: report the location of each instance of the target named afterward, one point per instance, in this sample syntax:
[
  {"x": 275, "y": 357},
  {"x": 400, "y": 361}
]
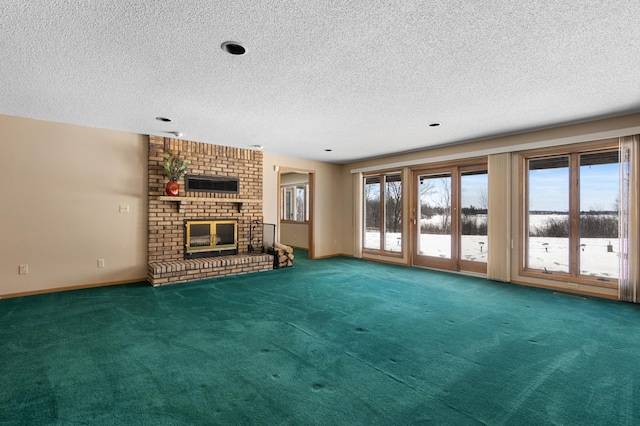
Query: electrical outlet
[
  {"x": 124, "y": 208},
  {"x": 100, "y": 263},
  {"x": 24, "y": 269}
]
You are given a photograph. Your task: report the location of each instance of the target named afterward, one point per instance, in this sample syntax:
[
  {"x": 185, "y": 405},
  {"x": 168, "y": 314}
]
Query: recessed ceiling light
[
  {"x": 164, "y": 119},
  {"x": 434, "y": 124},
  {"x": 233, "y": 47}
]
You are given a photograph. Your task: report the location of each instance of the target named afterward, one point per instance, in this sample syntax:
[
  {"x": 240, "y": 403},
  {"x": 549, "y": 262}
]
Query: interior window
[{"x": 295, "y": 203}]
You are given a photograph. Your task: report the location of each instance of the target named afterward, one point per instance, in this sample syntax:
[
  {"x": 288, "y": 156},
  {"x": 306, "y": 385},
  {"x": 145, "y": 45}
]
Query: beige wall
[
  {"x": 294, "y": 178},
  {"x": 60, "y": 214},
  {"x": 327, "y": 207},
  {"x": 295, "y": 234}
]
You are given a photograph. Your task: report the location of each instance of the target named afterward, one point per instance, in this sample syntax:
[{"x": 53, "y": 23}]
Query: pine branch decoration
[{"x": 174, "y": 166}]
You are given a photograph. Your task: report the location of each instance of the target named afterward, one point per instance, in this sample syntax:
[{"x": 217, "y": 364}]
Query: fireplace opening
[{"x": 207, "y": 238}]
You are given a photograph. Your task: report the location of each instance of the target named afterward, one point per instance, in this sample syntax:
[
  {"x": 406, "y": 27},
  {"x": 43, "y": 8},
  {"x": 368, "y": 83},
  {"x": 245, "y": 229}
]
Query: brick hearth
[
  {"x": 167, "y": 214},
  {"x": 169, "y": 272}
]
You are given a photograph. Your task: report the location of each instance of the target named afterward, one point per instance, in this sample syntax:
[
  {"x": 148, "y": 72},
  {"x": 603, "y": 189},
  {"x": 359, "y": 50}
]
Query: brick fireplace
[{"x": 168, "y": 215}]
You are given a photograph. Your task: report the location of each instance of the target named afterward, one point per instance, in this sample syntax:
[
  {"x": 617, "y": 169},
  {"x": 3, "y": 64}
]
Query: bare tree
[
  {"x": 484, "y": 199},
  {"x": 444, "y": 204},
  {"x": 393, "y": 206},
  {"x": 300, "y": 204},
  {"x": 372, "y": 205},
  {"x": 597, "y": 207},
  {"x": 616, "y": 204},
  {"x": 435, "y": 198},
  {"x": 426, "y": 190}
]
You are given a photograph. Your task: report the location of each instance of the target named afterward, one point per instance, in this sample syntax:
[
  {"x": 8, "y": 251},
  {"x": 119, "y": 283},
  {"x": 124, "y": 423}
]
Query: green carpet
[{"x": 334, "y": 341}]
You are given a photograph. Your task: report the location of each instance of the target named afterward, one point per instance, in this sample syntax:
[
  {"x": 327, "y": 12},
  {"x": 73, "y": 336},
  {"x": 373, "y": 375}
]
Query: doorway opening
[{"x": 296, "y": 213}]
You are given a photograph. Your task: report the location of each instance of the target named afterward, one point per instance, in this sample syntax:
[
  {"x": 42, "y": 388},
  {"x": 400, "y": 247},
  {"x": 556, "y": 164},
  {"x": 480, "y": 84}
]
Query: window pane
[
  {"x": 300, "y": 204},
  {"x": 474, "y": 206},
  {"x": 306, "y": 203},
  {"x": 288, "y": 203},
  {"x": 393, "y": 213},
  {"x": 548, "y": 215},
  {"x": 599, "y": 192},
  {"x": 435, "y": 215},
  {"x": 372, "y": 213}
]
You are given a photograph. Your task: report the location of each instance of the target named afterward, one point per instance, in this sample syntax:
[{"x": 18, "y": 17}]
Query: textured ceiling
[{"x": 364, "y": 78}]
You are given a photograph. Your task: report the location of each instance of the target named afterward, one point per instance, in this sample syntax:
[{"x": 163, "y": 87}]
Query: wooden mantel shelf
[
  {"x": 184, "y": 200},
  {"x": 208, "y": 200}
]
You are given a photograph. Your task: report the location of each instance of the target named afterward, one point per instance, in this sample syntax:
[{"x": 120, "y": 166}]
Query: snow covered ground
[
  {"x": 595, "y": 257},
  {"x": 598, "y": 256}
]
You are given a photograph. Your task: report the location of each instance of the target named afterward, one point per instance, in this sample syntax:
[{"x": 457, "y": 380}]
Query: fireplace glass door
[{"x": 210, "y": 237}]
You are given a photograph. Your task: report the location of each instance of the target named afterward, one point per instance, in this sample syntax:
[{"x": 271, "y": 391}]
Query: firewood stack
[{"x": 284, "y": 255}]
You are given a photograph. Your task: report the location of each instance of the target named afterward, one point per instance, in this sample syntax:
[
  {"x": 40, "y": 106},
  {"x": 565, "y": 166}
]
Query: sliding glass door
[{"x": 449, "y": 218}]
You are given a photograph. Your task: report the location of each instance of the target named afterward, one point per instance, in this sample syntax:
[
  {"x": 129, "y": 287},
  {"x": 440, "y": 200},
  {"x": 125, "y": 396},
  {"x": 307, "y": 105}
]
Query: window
[
  {"x": 295, "y": 203},
  {"x": 383, "y": 212},
  {"x": 571, "y": 221}
]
